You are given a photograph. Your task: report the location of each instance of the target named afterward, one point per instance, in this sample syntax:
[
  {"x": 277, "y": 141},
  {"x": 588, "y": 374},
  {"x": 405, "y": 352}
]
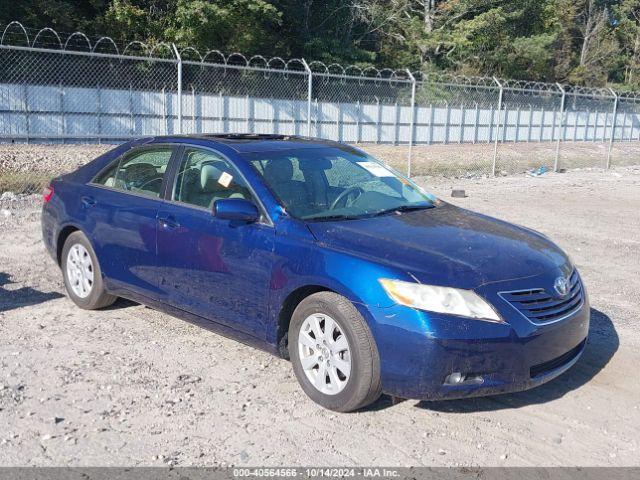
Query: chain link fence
[
  {"x": 530, "y": 126},
  {"x": 353, "y": 108},
  {"x": 587, "y": 127},
  {"x": 67, "y": 92},
  {"x": 456, "y": 124},
  {"x": 625, "y": 148}
]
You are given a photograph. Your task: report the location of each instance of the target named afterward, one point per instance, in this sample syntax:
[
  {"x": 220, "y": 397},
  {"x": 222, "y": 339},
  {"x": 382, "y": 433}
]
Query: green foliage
[
  {"x": 591, "y": 42},
  {"x": 239, "y": 25}
]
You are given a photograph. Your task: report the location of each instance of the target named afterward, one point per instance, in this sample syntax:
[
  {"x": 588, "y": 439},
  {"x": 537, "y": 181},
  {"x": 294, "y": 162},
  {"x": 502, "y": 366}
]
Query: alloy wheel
[
  {"x": 324, "y": 353},
  {"x": 80, "y": 271}
]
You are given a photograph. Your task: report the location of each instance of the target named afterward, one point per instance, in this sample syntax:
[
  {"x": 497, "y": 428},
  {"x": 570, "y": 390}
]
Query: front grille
[
  {"x": 540, "y": 306},
  {"x": 558, "y": 362}
]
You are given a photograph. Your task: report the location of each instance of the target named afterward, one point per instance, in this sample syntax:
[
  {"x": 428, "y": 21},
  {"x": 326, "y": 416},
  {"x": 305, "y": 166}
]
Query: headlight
[{"x": 454, "y": 301}]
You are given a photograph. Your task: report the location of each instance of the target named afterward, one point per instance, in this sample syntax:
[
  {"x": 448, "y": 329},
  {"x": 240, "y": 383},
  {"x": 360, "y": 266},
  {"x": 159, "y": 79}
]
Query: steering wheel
[
  {"x": 149, "y": 182},
  {"x": 344, "y": 195}
]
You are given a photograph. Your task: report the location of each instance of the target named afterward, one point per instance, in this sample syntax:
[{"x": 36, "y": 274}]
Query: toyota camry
[{"x": 319, "y": 253}]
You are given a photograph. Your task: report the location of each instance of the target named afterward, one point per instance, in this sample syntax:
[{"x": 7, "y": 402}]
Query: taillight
[{"x": 47, "y": 193}]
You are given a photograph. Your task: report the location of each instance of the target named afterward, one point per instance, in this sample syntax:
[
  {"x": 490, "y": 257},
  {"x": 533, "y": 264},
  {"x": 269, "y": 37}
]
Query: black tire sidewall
[{"x": 348, "y": 399}]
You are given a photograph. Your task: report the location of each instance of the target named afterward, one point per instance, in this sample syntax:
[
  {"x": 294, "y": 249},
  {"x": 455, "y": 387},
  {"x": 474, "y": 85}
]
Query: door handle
[
  {"x": 88, "y": 202},
  {"x": 168, "y": 222}
]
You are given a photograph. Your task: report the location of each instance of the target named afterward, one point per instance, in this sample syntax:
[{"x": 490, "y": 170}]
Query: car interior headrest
[
  {"x": 314, "y": 164},
  {"x": 209, "y": 176}
]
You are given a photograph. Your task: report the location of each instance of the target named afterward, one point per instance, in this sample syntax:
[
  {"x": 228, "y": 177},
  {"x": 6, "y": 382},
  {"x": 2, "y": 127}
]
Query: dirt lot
[
  {"x": 27, "y": 168},
  {"x": 130, "y": 386}
]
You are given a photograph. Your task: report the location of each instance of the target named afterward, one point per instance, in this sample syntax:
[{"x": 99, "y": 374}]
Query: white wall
[{"x": 33, "y": 111}]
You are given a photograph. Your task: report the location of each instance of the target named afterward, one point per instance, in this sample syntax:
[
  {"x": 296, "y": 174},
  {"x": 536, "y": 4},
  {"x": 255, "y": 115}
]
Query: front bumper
[{"x": 419, "y": 350}]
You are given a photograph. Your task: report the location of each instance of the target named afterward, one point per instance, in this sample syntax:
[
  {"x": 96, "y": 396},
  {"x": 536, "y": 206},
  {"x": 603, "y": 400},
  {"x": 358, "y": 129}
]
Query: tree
[
  {"x": 236, "y": 25},
  {"x": 627, "y": 20},
  {"x": 598, "y": 46},
  {"x": 590, "y": 42}
]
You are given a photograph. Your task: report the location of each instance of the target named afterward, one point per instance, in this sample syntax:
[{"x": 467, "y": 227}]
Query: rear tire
[
  {"x": 82, "y": 274},
  {"x": 333, "y": 353}
]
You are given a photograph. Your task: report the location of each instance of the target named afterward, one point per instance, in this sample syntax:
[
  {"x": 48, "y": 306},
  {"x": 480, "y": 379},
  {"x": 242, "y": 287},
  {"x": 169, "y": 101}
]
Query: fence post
[
  {"x": 27, "y": 110},
  {"x": 613, "y": 126},
  {"x": 495, "y": 144},
  {"x": 179, "y": 58},
  {"x": 396, "y": 125},
  {"x": 412, "y": 120},
  {"x": 99, "y": 112},
  {"x": 194, "y": 122},
  {"x": 63, "y": 128},
  {"x": 505, "y": 124},
  {"x": 131, "y": 121},
  {"x": 575, "y": 121},
  {"x": 339, "y": 123},
  {"x": 222, "y": 118},
  {"x": 309, "y": 94},
  {"x": 431, "y": 118},
  {"x": 475, "y": 124},
  {"x": 247, "y": 120},
  {"x": 378, "y": 121},
  {"x": 315, "y": 119},
  {"x": 164, "y": 111},
  {"x": 358, "y": 122},
  {"x": 447, "y": 122},
  {"x": 560, "y": 133},
  {"x": 461, "y": 124}
]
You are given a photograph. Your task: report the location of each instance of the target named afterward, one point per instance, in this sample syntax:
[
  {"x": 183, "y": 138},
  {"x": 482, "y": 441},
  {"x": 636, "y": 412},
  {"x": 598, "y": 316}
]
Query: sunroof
[{"x": 249, "y": 136}]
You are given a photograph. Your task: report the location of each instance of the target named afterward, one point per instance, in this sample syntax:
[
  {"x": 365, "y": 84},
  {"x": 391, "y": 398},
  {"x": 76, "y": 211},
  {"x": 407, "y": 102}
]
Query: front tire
[
  {"x": 333, "y": 353},
  {"x": 82, "y": 274}
]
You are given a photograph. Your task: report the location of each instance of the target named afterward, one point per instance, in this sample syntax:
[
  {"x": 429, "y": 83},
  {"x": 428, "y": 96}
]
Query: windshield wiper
[
  {"x": 401, "y": 208},
  {"x": 404, "y": 208},
  {"x": 332, "y": 217}
]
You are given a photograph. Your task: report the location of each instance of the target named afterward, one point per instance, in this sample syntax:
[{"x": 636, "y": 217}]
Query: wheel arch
[
  {"x": 62, "y": 238},
  {"x": 288, "y": 306}
]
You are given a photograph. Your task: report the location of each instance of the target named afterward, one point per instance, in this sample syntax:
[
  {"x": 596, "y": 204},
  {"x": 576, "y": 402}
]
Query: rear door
[
  {"x": 210, "y": 267},
  {"x": 122, "y": 204}
]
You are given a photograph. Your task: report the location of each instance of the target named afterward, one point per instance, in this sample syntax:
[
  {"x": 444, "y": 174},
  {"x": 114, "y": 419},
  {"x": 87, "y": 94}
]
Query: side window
[
  {"x": 204, "y": 177},
  {"x": 108, "y": 176},
  {"x": 140, "y": 172}
]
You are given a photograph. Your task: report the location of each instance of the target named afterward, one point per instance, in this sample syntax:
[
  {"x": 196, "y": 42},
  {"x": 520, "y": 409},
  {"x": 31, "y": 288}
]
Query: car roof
[{"x": 255, "y": 142}]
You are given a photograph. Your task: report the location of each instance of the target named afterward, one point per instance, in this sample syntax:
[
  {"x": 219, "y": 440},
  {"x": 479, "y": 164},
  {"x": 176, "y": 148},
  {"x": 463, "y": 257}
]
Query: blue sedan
[{"x": 317, "y": 252}]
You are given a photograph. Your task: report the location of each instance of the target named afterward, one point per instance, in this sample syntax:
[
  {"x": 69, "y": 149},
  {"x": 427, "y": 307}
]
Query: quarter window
[
  {"x": 204, "y": 177},
  {"x": 140, "y": 172}
]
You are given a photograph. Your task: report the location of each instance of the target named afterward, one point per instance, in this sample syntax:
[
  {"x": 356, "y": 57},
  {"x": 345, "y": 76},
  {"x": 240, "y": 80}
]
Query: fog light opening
[{"x": 459, "y": 378}]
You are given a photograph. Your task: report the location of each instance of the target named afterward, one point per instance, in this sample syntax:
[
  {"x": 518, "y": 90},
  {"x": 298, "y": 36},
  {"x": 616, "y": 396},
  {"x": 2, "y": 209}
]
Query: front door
[{"x": 213, "y": 268}]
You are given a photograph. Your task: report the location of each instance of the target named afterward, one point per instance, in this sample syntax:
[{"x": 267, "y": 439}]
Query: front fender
[{"x": 299, "y": 261}]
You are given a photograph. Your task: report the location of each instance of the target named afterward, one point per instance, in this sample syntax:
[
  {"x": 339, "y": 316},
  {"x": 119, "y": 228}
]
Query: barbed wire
[
  {"x": 581, "y": 91},
  {"x": 15, "y": 32}
]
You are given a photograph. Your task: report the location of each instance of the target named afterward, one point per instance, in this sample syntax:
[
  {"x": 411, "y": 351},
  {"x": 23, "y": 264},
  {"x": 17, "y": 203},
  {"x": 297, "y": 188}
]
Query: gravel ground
[
  {"x": 131, "y": 386},
  {"x": 28, "y": 167}
]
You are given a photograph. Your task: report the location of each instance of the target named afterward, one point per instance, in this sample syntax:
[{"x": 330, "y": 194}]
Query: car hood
[{"x": 446, "y": 245}]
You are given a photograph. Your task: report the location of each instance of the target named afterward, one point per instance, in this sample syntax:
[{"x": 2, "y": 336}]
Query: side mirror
[{"x": 236, "y": 209}]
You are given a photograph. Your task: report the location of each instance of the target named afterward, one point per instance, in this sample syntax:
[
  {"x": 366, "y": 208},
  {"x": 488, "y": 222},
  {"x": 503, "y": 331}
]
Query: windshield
[{"x": 336, "y": 183}]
